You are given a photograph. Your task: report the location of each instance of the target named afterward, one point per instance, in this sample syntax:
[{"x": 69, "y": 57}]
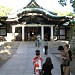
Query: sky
[{"x": 51, "y": 5}]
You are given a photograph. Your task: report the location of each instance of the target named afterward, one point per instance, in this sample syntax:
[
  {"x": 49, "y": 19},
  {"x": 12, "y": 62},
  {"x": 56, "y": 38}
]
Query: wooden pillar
[
  {"x": 13, "y": 32},
  {"x": 51, "y": 32},
  {"x": 22, "y": 33},
  {"x": 42, "y": 32}
]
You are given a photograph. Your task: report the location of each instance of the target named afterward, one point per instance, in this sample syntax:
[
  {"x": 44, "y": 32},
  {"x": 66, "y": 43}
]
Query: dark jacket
[
  {"x": 47, "y": 69},
  {"x": 70, "y": 55}
]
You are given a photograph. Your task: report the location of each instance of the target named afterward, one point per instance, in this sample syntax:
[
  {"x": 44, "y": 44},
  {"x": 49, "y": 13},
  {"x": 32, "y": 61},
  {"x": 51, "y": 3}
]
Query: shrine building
[{"x": 34, "y": 20}]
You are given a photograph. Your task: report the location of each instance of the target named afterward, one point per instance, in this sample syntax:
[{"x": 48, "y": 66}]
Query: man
[
  {"x": 46, "y": 46},
  {"x": 67, "y": 50}
]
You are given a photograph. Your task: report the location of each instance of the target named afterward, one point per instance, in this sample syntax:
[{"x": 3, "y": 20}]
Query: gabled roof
[
  {"x": 32, "y": 4},
  {"x": 47, "y": 16}
]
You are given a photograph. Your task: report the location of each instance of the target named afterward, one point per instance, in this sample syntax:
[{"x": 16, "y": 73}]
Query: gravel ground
[{"x": 7, "y": 50}]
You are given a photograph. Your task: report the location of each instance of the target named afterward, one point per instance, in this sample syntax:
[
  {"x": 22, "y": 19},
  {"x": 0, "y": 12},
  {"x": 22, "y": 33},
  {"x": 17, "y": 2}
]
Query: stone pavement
[{"x": 21, "y": 62}]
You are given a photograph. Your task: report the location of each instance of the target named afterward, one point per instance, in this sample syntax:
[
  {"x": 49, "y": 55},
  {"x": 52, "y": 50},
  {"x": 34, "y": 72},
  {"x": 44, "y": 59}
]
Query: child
[
  {"x": 47, "y": 67},
  {"x": 37, "y": 61}
]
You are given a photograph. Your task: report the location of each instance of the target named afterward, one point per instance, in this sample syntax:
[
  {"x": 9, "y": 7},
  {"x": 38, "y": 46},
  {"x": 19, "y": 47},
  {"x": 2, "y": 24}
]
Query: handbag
[{"x": 43, "y": 49}]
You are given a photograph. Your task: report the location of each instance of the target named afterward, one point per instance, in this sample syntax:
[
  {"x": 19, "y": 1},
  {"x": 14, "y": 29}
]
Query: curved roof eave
[
  {"x": 34, "y": 7},
  {"x": 43, "y": 11}
]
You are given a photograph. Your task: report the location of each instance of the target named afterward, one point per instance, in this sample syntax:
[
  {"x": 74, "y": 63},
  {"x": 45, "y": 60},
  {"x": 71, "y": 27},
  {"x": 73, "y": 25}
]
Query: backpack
[{"x": 70, "y": 55}]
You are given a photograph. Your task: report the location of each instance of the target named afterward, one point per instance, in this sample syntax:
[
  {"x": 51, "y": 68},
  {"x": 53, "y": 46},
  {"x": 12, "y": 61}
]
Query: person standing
[
  {"x": 37, "y": 61},
  {"x": 67, "y": 68},
  {"x": 65, "y": 61},
  {"x": 37, "y": 41},
  {"x": 66, "y": 48},
  {"x": 47, "y": 66},
  {"x": 46, "y": 47},
  {"x": 61, "y": 49}
]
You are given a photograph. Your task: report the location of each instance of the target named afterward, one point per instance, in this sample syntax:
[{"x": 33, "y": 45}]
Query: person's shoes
[
  {"x": 45, "y": 54},
  {"x": 62, "y": 74},
  {"x": 34, "y": 73}
]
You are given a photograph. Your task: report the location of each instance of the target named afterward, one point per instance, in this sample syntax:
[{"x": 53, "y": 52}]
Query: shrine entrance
[{"x": 31, "y": 33}]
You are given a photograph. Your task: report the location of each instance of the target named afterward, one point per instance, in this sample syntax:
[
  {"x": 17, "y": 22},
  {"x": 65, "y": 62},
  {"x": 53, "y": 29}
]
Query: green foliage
[
  {"x": 71, "y": 1},
  {"x": 73, "y": 28},
  {"x": 70, "y": 14},
  {"x": 73, "y": 50},
  {"x": 73, "y": 4},
  {"x": 4, "y": 10},
  {"x": 64, "y": 13},
  {"x": 72, "y": 31},
  {"x": 64, "y": 3}
]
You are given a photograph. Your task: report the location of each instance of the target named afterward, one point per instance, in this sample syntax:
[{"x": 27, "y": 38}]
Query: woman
[
  {"x": 47, "y": 67},
  {"x": 37, "y": 61}
]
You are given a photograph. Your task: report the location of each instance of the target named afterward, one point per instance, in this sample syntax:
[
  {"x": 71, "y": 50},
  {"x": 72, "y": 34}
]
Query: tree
[
  {"x": 4, "y": 10},
  {"x": 64, "y": 3},
  {"x": 70, "y": 14}
]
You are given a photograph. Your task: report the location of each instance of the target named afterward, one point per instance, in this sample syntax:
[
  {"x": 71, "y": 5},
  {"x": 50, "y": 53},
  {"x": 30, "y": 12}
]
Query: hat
[{"x": 60, "y": 48}]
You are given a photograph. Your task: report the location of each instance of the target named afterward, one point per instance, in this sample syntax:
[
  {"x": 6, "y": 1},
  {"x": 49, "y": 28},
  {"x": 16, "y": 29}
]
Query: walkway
[{"x": 21, "y": 61}]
